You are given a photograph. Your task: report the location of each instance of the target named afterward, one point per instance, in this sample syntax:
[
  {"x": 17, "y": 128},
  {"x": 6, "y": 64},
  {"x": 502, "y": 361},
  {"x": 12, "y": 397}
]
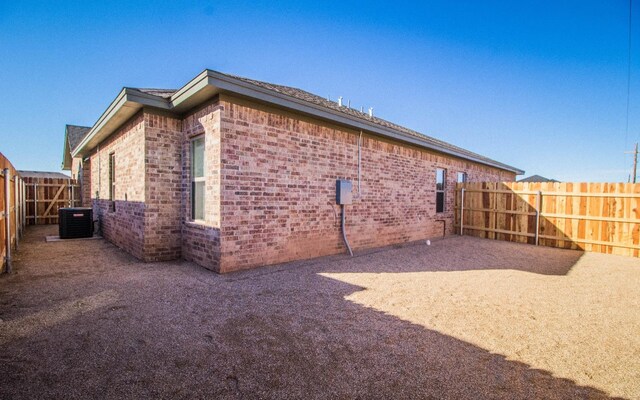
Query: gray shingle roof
[
  {"x": 314, "y": 99},
  {"x": 311, "y": 98},
  {"x": 162, "y": 93},
  {"x": 537, "y": 178},
  {"x": 75, "y": 134},
  {"x": 43, "y": 174}
]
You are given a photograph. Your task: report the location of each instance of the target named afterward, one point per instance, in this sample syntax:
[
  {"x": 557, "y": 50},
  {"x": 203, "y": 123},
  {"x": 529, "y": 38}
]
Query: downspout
[
  {"x": 7, "y": 217},
  {"x": 99, "y": 175},
  {"x": 98, "y": 217},
  {"x": 359, "y": 196},
  {"x": 360, "y": 164}
]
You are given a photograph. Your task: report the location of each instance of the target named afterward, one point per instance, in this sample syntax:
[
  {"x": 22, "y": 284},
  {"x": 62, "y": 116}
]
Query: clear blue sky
[{"x": 538, "y": 85}]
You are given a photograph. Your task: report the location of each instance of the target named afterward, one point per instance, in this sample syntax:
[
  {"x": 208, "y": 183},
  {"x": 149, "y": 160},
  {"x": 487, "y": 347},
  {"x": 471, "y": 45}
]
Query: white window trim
[
  {"x": 196, "y": 179},
  {"x": 112, "y": 176}
]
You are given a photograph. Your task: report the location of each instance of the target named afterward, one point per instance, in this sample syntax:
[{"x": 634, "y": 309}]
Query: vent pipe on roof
[
  {"x": 340, "y": 101},
  {"x": 370, "y": 111}
]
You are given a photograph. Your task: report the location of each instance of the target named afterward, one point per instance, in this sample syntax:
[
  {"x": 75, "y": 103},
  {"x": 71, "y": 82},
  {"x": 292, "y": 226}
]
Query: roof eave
[{"x": 126, "y": 104}]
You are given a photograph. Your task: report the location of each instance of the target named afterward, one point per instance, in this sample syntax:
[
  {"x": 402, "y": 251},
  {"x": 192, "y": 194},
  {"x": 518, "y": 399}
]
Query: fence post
[
  {"x": 538, "y": 207},
  {"x": 16, "y": 203},
  {"x": 24, "y": 204},
  {"x": 7, "y": 217},
  {"x": 462, "y": 212},
  {"x": 35, "y": 203}
]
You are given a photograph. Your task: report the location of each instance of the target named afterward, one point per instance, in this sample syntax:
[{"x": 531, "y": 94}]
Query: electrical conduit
[{"x": 344, "y": 232}]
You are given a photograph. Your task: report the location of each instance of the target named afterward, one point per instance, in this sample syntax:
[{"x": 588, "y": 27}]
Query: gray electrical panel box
[{"x": 343, "y": 192}]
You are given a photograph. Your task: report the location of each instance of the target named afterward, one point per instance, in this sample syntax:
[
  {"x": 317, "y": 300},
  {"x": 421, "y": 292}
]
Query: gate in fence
[{"x": 45, "y": 195}]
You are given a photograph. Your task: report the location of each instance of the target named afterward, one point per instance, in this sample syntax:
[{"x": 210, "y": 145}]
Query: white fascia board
[{"x": 193, "y": 93}]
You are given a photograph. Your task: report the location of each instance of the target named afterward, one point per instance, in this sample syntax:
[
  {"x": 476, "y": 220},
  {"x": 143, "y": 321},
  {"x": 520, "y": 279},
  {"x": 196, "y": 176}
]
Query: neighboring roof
[
  {"x": 209, "y": 83},
  {"x": 537, "y": 178},
  {"x": 43, "y": 174},
  {"x": 73, "y": 135}
]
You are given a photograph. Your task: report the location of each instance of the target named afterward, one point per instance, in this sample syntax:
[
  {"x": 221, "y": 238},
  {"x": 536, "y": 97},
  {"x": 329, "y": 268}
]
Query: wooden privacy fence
[
  {"x": 598, "y": 217},
  {"x": 12, "y": 207},
  {"x": 44, "y": 196}
]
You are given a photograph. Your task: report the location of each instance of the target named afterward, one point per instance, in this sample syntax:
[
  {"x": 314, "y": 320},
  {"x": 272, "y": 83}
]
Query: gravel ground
[{"x": 462, "y": 318}]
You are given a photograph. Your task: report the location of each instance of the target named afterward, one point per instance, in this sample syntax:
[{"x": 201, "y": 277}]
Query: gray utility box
[{"x": 343, "y": 192}]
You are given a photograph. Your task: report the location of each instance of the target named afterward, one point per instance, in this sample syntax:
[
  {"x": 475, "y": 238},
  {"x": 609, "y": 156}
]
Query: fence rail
[{"x": 598, "y": 217}]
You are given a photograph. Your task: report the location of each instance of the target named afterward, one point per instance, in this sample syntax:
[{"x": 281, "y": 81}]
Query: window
[
  {"x": 197, "y": 178},
  {"x": 462, "y": 177},
  {"x": 112, "y": 176},
  {"x": 440, "y": 186}
]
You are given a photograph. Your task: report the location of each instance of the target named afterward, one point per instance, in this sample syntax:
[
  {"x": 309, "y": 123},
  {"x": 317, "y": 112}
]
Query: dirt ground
[{"x": 462, "y": 318}]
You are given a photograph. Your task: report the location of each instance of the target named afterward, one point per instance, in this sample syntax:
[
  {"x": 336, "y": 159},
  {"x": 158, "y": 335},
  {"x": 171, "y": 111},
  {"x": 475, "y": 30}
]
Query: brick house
[
  {"x": 73, "y": 134},
  {"x": 233, "y": 173}
]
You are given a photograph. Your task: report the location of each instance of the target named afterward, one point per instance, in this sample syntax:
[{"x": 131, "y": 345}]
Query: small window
[
  {"x": 197, "y": 178},
  {"x": 462, "y": 177},
  {"x": 440, "y": 187},
  {"x": 112, "y": 176}
]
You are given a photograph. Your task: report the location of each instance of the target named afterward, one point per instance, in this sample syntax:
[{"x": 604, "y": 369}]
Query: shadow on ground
[
  {"x": 463, "y": 254},
  {"x": 175, "y": 330}
]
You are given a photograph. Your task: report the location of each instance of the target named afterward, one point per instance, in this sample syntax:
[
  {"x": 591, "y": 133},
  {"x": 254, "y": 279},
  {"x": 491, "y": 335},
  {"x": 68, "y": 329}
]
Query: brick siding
[
  {"x": 123, "y": 226},
  {"x": 270, "y": 187},
  {"x": 201, "y": 240},
  {"x": 163, "y": 183},
  {"x": 85, "y": 183},
  {"x": 278, "y": 177}
]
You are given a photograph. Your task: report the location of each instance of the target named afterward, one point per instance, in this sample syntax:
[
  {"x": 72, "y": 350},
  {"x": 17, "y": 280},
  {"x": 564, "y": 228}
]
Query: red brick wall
[
  {"x": 278, "y": 180},
  {"x": 85, "y": 183},
  {"x": 163, "y": 182},
  {"x": 75, "y": 168},
  {"x": 125, "y": 226},
  {"x": 270, "y": 187},
  {"x": 201, "y": 240},
  {"x": 78, "y": 175}
]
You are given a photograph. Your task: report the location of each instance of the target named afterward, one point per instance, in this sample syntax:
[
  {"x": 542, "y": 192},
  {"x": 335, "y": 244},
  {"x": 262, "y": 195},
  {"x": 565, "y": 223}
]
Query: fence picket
[{"x": 589, "y": 216}]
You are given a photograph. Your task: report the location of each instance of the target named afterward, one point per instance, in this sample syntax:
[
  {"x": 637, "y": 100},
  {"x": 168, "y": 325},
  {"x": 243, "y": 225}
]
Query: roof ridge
[
  {"x": 78, "y": 126},
  {"x": 147, "y": 88}
]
